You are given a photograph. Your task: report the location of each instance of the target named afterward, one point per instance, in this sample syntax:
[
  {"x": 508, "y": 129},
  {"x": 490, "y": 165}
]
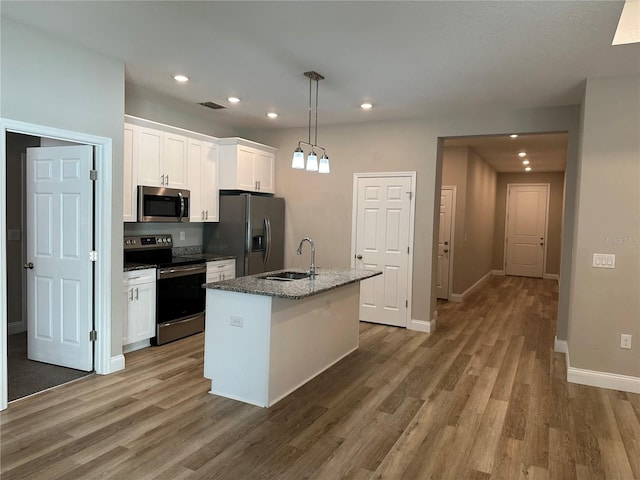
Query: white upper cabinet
[
  {"x": 246, "y": 165},
  {"x": 129, "y": 185},
  {"x": 161, "y": 158},
  {"x": 203, "y": 181},
  {"x": 159, "y": 155}
]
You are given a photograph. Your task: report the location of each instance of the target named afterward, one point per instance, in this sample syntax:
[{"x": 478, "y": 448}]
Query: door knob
[
  {"x": 359, "y": 257},
  {"x": 446, "y": 250},
  {"x": 28, "y": 265},
  {"x": 446, "y": 243}
]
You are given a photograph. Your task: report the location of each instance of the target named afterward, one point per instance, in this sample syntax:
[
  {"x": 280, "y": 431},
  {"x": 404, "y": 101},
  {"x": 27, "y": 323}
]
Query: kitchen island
[{"x": 264, "y": 338}]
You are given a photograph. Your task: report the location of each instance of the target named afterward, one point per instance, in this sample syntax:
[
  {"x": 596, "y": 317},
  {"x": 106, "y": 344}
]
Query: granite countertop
[
  {"x": 130, "y": 266},
  {"x": 326, "y": 279}
]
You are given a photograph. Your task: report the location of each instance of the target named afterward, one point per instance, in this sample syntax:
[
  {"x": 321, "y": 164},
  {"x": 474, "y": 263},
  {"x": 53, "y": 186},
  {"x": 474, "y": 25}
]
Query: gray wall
[
  {"x": 474, "y": 217},
  {"x": 556, "y": 201},
  {"x": 605, "y": 303},
  {"x": 47, "y": 81},
  {"x": 320, "y": 205}
]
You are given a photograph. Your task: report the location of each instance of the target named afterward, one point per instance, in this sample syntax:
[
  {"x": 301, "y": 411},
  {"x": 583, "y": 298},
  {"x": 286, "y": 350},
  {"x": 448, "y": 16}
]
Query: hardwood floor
[{"x": 482, "y": 398}]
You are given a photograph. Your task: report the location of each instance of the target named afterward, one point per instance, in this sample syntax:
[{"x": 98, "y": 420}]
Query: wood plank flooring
[{"x": 484, "y": 397}]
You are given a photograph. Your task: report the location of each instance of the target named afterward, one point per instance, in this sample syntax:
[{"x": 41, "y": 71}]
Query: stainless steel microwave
[{"x": 160, "y": 204}]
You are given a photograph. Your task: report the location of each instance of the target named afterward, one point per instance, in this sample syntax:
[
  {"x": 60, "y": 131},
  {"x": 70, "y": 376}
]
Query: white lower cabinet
[
  {"x": 139, "y": 308},
  {"x": 219, "y": 270}
]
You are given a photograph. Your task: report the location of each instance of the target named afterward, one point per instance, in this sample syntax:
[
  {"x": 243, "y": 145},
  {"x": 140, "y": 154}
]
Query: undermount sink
[{"x": 286, "y": 276}]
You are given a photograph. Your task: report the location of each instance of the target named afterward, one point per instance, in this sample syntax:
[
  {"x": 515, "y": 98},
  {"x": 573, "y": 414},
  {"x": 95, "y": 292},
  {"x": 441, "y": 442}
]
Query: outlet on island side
[
  {"x": 236, "y": 321},
  {"x": 625, "y": 341}
]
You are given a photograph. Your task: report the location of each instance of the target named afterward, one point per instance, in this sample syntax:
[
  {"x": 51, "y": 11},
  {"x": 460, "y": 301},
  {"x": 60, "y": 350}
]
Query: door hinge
[
  {"x": 410, "y": 195},
  {"x": 93, "y": 175},
  {"x": 407, "y": 250},
  {"x": 93, "y": 336},
  {"x": 93, "y": 256},
  {"x": 406, "y": 303}
]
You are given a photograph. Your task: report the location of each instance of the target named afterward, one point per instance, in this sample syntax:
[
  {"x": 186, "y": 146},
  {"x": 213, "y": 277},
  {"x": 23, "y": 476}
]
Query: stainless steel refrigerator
[{"x": 251, "y": 228}]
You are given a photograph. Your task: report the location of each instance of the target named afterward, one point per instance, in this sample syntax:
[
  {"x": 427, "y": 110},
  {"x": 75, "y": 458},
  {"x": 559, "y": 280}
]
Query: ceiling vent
[{"x": 213, "y": 106}]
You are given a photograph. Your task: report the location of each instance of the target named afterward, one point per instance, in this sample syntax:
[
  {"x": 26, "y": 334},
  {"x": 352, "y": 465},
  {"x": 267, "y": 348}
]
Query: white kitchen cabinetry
[
  {"x": 203, "y": 181},
  {"x": 139, "y": 305},
  {"x": 218, "y": 270},
  {"x": 129, "y": 185},
  {"x": 246, "y": 165},
  {"x": 161, "y": 158}
]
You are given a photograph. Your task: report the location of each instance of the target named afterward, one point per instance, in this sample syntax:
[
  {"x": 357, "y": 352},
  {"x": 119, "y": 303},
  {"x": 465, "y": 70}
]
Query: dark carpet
[{"x": 28, "y": 376}]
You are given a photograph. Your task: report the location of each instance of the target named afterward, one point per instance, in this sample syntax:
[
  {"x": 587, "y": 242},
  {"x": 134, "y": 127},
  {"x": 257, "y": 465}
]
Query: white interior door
[
  {"x": 444, "y": 243},
  {"x": 527, "y": 207},
  {"x": 59, "y": 270},
  {"x": 382, "y": 240}
]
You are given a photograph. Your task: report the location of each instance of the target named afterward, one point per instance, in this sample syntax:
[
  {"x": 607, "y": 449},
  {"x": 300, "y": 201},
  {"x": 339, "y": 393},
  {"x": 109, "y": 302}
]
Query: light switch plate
[{"x": 604, "y": 260}]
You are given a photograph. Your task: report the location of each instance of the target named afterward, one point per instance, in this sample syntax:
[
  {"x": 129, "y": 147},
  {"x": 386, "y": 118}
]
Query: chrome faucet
[{"x": 312, "y": 268}]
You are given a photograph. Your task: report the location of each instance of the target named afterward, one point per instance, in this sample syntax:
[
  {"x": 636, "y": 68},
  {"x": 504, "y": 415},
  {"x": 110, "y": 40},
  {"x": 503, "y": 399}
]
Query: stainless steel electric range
[{"x": 180, "y": 298}]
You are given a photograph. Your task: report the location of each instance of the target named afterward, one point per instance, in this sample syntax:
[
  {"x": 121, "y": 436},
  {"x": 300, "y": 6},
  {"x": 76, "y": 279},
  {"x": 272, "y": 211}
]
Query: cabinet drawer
[
  {"x": 136, "y": 277},
  {"x": 221, "y": 264}
]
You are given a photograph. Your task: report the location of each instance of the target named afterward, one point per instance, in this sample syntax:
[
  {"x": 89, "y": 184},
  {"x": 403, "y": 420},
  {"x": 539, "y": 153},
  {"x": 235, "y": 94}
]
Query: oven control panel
[{"x": 143, "y": 242}]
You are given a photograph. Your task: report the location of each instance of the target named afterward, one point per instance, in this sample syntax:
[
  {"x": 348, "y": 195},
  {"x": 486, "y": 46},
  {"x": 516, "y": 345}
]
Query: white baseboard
[
  {"x": 497, "y": 273},
  {"x": 459, "y": 297},
  {"x": 592, "y": 378},
  {"x": 612, "y": 381},
  {"x": 551, "y": 276},
  {"x": 132, "y": 347},
  {"x": 422, "y": 325},
  {"x": 561, "y": 346},
  {"x": 116, "y": 364}
]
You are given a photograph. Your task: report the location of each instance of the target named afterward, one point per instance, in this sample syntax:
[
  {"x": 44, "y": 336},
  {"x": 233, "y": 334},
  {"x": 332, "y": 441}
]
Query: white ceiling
[
  {"x": 409, "y": 59},
  {"x": 545, "y": 152}
]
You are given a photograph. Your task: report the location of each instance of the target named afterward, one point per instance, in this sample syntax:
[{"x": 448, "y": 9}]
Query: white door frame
[
  {"x": 454, "y": 189},
  {"x": 412, "y": 216},
  {"x": 546, "y": 224},
  {"x": 103, "y": 241}
]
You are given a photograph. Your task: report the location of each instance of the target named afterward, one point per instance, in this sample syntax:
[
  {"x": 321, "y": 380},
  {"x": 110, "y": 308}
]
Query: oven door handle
[
  {"x": 181, "y": 271},
  {"x": 181, "y": 207}
]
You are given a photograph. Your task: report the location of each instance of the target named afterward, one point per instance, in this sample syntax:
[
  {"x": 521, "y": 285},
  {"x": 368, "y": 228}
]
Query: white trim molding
[
  {"x": 612, "y": 381},
  {"x": 116, "y": 364},
  {"x": 592, "y": 378},
  {"x": 498, "y": 273},
  {"x": 102, "y": 219},
  {"x": 459, "y": 297},
  {"x": 561, "y": 346},
  {"x": 422, "y": 325},
  {"x": 551, "y": 276}
]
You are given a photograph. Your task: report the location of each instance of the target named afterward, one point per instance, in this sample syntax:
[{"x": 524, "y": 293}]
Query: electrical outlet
[
  {"x": 182, "y": 236},
  {"x": 236, "y": 321},
  {"x": 625, "y": 341}
]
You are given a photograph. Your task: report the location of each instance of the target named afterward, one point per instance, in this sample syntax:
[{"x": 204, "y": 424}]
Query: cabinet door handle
[
  {"x": 162, "y": 181},
  {"x": 131, "y": 295},
  {"x": 207, "y": 215},
  {"x": 136, "y": 293},
  {"x": 167, "y": 179}
]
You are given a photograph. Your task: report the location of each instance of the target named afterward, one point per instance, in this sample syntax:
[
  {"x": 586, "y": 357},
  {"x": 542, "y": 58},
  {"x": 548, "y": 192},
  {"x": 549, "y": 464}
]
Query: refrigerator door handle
[{"x": 267, "y": 252}]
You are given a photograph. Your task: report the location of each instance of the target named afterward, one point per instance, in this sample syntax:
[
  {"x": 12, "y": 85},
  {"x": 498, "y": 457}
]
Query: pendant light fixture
[{"x": 312, "y": 159}]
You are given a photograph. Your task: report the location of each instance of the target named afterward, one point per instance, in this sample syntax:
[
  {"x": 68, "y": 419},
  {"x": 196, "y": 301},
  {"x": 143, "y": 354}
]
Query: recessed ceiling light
[
  {"x": 522, "y": 154},
  {"x": 514, "y": 135},
  {"x": 366, "y": 106},
  {"x": 525, "y": 162},
  {"x": 527, "y": 169},
  {"x": 272, "y": 115},
  {"x": 181, "y": 78},
  {"x": 233, "y": 99}
]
